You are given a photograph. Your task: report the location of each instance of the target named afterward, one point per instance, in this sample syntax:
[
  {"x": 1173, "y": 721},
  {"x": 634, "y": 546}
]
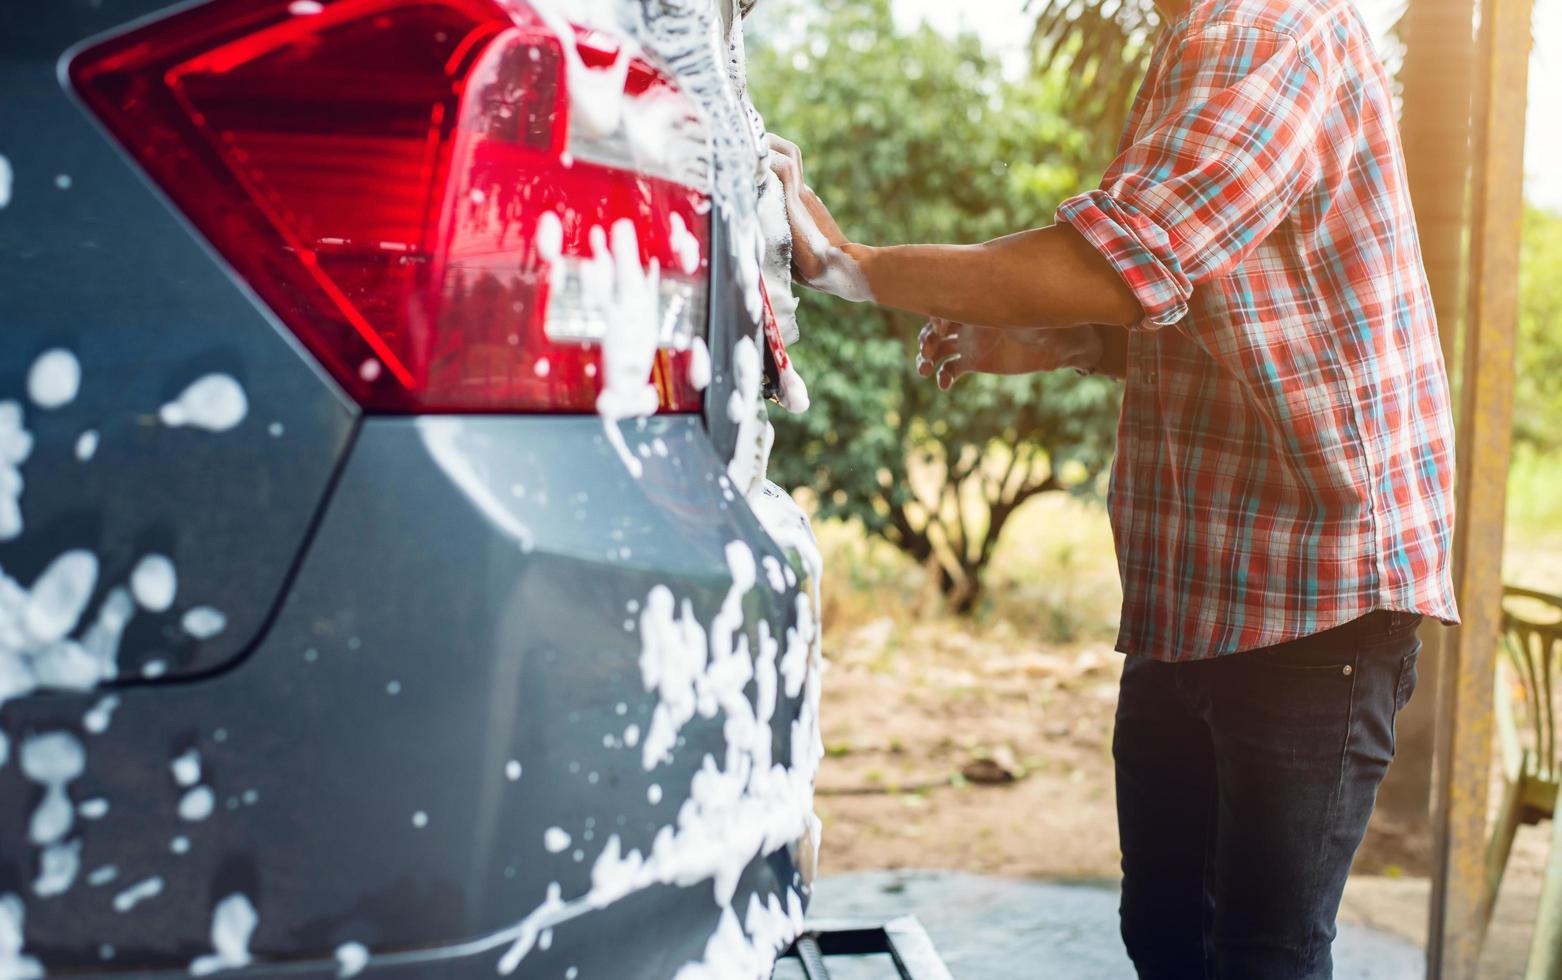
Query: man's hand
[
  {"x": 819, "y": 259},
  {"x": 946, "y": 350}
]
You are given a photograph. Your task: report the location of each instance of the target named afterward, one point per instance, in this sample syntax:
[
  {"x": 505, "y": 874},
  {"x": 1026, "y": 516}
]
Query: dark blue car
[{"x": 388, "y": 579}]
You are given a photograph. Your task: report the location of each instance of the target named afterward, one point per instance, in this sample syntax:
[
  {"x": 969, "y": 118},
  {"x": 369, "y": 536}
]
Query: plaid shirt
[{"x": 1285, "y": 452}]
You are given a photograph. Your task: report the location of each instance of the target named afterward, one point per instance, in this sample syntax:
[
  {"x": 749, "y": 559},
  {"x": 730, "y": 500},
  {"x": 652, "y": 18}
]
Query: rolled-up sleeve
[{"x": 1228, "y": 147}]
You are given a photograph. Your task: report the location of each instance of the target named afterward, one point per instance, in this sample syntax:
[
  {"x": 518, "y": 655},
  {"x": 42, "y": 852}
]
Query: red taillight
[{"x": 400, "y": 183}]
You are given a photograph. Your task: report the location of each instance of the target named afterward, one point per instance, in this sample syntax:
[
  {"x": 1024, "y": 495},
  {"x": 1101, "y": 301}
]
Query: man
[{"x": 1281, "y": 495}]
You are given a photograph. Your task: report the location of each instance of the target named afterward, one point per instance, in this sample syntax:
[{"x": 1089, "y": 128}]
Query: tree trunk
[{"x": 1435, "y": 128}]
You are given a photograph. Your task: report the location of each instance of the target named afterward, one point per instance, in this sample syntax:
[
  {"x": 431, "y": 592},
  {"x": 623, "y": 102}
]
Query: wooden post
[
  {"x": 1464, "y": 722},
  {"x": 1439, "y": 62}
]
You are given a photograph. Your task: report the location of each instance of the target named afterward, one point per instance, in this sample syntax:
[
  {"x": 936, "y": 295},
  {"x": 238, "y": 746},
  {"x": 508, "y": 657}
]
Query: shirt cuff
[{"x": 1138, "y": 248}]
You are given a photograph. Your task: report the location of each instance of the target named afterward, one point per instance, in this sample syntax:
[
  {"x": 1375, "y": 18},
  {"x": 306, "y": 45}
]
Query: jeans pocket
[
  {"x": 1405, "y": 687},
  {"x": 1294, "y": 709}
]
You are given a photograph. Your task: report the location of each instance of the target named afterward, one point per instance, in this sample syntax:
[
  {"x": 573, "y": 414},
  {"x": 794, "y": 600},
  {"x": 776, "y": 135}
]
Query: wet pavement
[{"x": 989, "y": 928}]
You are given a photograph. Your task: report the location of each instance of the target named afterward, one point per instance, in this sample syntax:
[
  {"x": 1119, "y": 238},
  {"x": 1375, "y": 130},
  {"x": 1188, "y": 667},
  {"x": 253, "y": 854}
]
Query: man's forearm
[{"x": 1047, "y": 277}]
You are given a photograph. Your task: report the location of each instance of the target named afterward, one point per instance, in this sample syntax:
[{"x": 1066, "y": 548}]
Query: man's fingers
[
  {"x": 787, "y": 149},
  {"x": 924, "y": 342},
  {"x": 950, "y": 371},
  {"x": 787, "y": 170},
  {"x": 936, "y": 342}
]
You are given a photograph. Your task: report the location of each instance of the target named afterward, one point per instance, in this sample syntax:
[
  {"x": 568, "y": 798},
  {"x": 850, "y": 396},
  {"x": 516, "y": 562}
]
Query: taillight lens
[{"x": 401, "y": 183}]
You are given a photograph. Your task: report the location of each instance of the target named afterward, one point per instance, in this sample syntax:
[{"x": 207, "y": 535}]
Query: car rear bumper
[{"x": 441, "y": 731}]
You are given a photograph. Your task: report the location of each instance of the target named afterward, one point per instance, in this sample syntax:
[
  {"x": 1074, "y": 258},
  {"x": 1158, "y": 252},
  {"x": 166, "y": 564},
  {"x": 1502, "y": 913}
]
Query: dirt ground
[
  {"x": 917, "y": 713},
  {"x": 908, "y": 706}
]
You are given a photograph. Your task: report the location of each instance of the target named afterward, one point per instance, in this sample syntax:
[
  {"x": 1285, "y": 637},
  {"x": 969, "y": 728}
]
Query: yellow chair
[{"x": 1532, "y": 642}]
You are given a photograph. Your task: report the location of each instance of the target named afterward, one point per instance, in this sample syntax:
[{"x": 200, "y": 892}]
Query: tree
[
  {"x": 1537, "y": 395},
  {"x": 1102, "y": 48},
  {"x": 920, "y": 137}
]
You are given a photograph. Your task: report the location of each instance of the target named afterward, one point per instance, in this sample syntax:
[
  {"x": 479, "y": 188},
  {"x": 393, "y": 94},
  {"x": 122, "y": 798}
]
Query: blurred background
[{"x": 971, "y": 592}]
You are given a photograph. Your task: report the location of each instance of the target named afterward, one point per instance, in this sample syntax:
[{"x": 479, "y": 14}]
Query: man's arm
[
  {"x": 946, "y": 350},
  {"x": 1046, "y": 277}
]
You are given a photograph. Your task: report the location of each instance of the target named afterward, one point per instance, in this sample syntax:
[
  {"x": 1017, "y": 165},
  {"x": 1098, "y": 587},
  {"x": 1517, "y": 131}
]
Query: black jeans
[{"x": 1244, "y": 785}]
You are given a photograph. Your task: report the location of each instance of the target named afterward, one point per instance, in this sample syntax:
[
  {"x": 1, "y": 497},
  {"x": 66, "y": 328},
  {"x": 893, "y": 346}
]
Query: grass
[
  {"x": 1053, "y": 577},
  {"x": 1533, "y": 557}
]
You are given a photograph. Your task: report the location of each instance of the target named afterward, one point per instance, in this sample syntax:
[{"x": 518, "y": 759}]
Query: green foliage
[
  {"x": 1103, "y": 48},
  {"x": 919, "y": 138},
  {"x": 1537, "y": 406}
]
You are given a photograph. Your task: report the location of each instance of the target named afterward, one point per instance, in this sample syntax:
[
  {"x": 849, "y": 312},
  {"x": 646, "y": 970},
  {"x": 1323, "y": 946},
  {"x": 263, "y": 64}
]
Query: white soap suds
[
  {"x": 214, "y": 402},
  {"x": 751, "y": 452},
  {"x": 35, "y": 650},
  {"x": 555, "y": 839},
  {"x": 369, "y": 370},
  {"x": 87, "y": 445},
  {"x": 747, "y": 950},
  {"x": 153, "y": 669},
  {"x": 54, "y": 378},
  {"x": 793, "y": 395},
  {"x": 351, "y": 958},
  {"x": 699, "y": 364},
  {"x": 549, "y": 236},
  {"x": 102, "y": 875},
  {"x": 420, "y": 819},
  {"x": 59, "y": 596},
  {"x": 16, "y": 445},
  {"x": 684, "y": 245},
  {"x": 773, "y": 573},
  {"x": 673, "y": 657},
  {"x": 6, "y": 178},
  {"x": 101, "y": 640},
  {"x": 57, "y": 867},
  {"x": 93, "y": 809},
  {"x": 653, "y": 794},
  {"x": 186, "y": 768},
  {"x": 52, "y": 760},
  {"x": 197, "y": 804},
  {"x": 512, "y": 770},
  {"x": 629, "y": 294},
  {"x": 776, "y": 267},
  {"x": 305, "y": 8},
  {"x": 138, "y": 893},
  {"x": 203, "y": 622},
  {"x": 14, "y": 965},
  {"x": 179, "y": 845},
  {"x": 233, "y": 923},
  {"x": 154, "y": 582},
  {"x": 97, "y": 718},
  {"x": 596, "y": 94}
]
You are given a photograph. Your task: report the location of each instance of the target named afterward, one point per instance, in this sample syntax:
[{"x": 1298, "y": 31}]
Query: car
[{"x": 389, "y": 583}]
